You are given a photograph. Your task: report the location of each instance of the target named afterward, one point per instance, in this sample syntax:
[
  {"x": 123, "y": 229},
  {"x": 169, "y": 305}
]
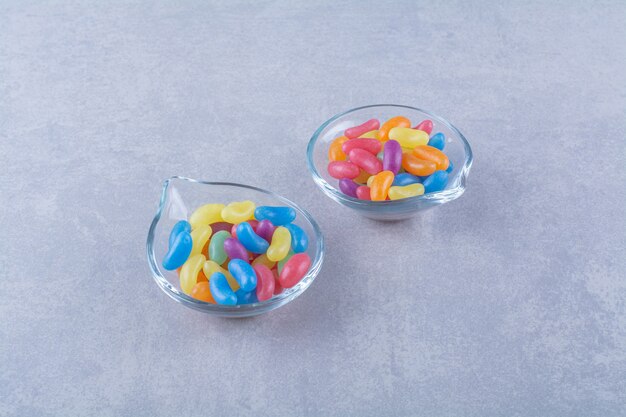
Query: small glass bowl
[
  {"x": 180, "y": 196},
  {"x": 457, "y": 149}
]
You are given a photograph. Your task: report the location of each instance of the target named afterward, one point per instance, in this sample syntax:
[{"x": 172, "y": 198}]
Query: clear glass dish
[
  {"x": 457, "y": 149},
  {"x": 180, "y": 196}
]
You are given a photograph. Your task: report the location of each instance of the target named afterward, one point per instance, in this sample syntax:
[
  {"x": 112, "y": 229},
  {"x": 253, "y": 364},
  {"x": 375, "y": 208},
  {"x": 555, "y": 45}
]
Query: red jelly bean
[
  {"x": 219, "y": 226},
  {"x": 294, "y": 270},
  {"x": 356, "y": 131},
  {"x": 277, "y": 287},
  {"x": 265, "y": 282},
  {"x": 366, "y": 161},
  {"x": 371, "y": 145},
  {"x": 425, "y": 126},
  {"x": 363, "y": 193},
  {"x": 344, "y": 169}
]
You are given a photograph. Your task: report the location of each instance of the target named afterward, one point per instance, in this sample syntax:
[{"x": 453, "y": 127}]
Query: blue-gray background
[{"x": 507, "y": 302}]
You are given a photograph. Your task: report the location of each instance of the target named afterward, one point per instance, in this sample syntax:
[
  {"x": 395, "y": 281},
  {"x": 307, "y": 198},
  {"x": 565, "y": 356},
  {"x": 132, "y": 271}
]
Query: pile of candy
[
  {"x": 389, "y": 162},
  {"x": 238, "y": 253}
]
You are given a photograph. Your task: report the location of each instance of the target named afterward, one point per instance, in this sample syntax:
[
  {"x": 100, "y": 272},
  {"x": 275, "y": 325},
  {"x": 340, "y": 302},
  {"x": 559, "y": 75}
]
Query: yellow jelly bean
[
  {"x": 408, "y": 138},
  {"x": 369, "y": 180},
  {"x": 189, "y": 272},
  {"x": 281, "y": 242},
  {"x": 205, "y": 215},
  {"x": 238, "y": 211},
  {"x": 398, "y": 192},
  {"x": 262, "y": 260},
  {"x": 211, "y": 267},
  {"x": 372, "y": 134},
  {"x": 200, "y": 237}
]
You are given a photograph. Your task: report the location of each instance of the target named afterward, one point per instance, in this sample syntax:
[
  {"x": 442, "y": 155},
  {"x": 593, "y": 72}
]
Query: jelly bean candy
[
  {"x": 244, "y": 297},
  {"x": 238, "y": 211},
  {"x": 406, "y": 191},
  {"x": 369, "y": 180},
  {"x": 438, "y": 141},
  {"x": 380, "y": 185},
  {"x": 219, "y": 226},
  {"x": 429, "y": 153},
  {"x": 243, "y": 272},
  {"x": 265, "y": 229},
  {"x": 294, "y": 270},
  {"x": 205, "y": 215},
  {"x": 233, "y": 229},
  {"x": 200, "y": 237},
  {"x": 250, "y": 240},
  {"x": 216, "y": 247},
  {"x": 211, "y": 267},
  {"x": 408, "y": 138},
  {"x": 277, "y": 287},
  {"x": 450, "y": 168},
  {"x": 262, "y": 260},
  {"x": 405, "y": 179},
  {"x": 277, "y": 215},
  {"x": 235, "y": 250},
  {"x": 202, "y": 291},
  {"x": 335, "y": 151},
  {"x": 398, "y": 121},
  {"x": 372, "y": 134},
  {"x": 265, "y": 282},
  {"x": 343, "y": 169},
  {"x": 363, "y": 193},
  {"x": 416, "y": 166},
  {"x": 299, "y": 238},
  {"x": 362, "y": 178},
  {"x": 356, "y": 131},
  {"x": 366, "y": 161},
  {"x": 189, "y": 272},
  {"x": 425, "y": 126},
  {"x": 181, "y": 226},
  {"x": 178, "y": 252},
  {"x": 348, "y": 187},
  {"x": 371, "y": 145},
  {"x": 281, "y": 242},
  {"x": 281, "y": 264},
  {"x": 392, "y": 156},
  {"x": 221, "y": 291},
  {"x": 436, "y": 182}
]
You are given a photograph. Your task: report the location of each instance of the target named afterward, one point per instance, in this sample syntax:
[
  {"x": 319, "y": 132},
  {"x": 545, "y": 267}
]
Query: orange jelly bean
[
  {"x": 335, "y": 151},
  {"x": 416, "y": 166},
  {"x": 362, "y": 178},
  {"x": 380, "y": 185},
  {"x": 430, "y": 153},
  {"x": 202, "y": 292},
  {"x": 398, "y": 121}
]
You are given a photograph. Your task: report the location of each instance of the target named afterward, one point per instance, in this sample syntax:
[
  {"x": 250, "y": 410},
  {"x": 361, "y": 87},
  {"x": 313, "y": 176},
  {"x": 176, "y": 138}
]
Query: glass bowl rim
[
  {"x": 238, "y": 310},
  {"x": 447, "y": 194}
]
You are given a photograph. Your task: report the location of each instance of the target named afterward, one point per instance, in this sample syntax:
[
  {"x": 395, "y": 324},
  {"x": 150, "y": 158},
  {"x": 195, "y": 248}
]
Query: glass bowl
[
  {"x": 180, "y": 196},
  {"x": 457, "y": 148}
]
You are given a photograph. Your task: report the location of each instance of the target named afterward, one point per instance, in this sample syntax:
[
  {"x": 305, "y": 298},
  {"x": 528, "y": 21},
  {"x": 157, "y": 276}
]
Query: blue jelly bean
[
  {"x": 244, "y": 297},
  {"x": 221, "y": 291},
  {"x": 299, "y": 238},
  {"x": 178, "y": 252},
  {"x": 181, "y": 226},
  {"x": 405, "y": 179},
  {"x": 436, "y": 182},
  {"x": 279, "y": 216},
  {"x": 243, "y": 273},
  {"x": 438, "y": 140},
  {"x": 250, "y": 240},
  {"x": 450, "y": 167}
]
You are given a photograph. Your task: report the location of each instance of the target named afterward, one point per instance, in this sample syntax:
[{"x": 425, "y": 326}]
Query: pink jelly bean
[
  {"x": 343, "y": 169},
  {"x": 294, "y": 270},
  {"x": 392, "y": 156},
  {"x": 371, "y": 145},
  {"x": 235, "y": 250},
  {"x": 348, "y": 187},
  {"x": 219, "y": 226},
  {"x": 363, "y": 193},
  {"x": 233, "y": 229},
  {"x": 265, "y": 229},
  {"x": 356, "y": 131},
  {"x": 265, "y": 282},
  {"x": 425, "y": 126},
  {"x": 366, "y": 161}
]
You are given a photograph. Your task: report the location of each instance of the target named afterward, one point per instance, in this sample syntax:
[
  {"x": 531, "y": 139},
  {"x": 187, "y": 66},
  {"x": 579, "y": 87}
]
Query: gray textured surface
[{"x": 507, "y": 302}]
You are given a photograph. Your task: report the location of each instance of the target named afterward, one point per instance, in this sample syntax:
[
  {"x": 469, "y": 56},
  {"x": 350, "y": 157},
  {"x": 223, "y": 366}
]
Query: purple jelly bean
[
  {"x": 348, "y": 187},
  {"x": 265, "y": 229},
  {"x": 392, "y": 156},
  {"x": 235, "y": 250},
  {"x": 219, "y": 226}
]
